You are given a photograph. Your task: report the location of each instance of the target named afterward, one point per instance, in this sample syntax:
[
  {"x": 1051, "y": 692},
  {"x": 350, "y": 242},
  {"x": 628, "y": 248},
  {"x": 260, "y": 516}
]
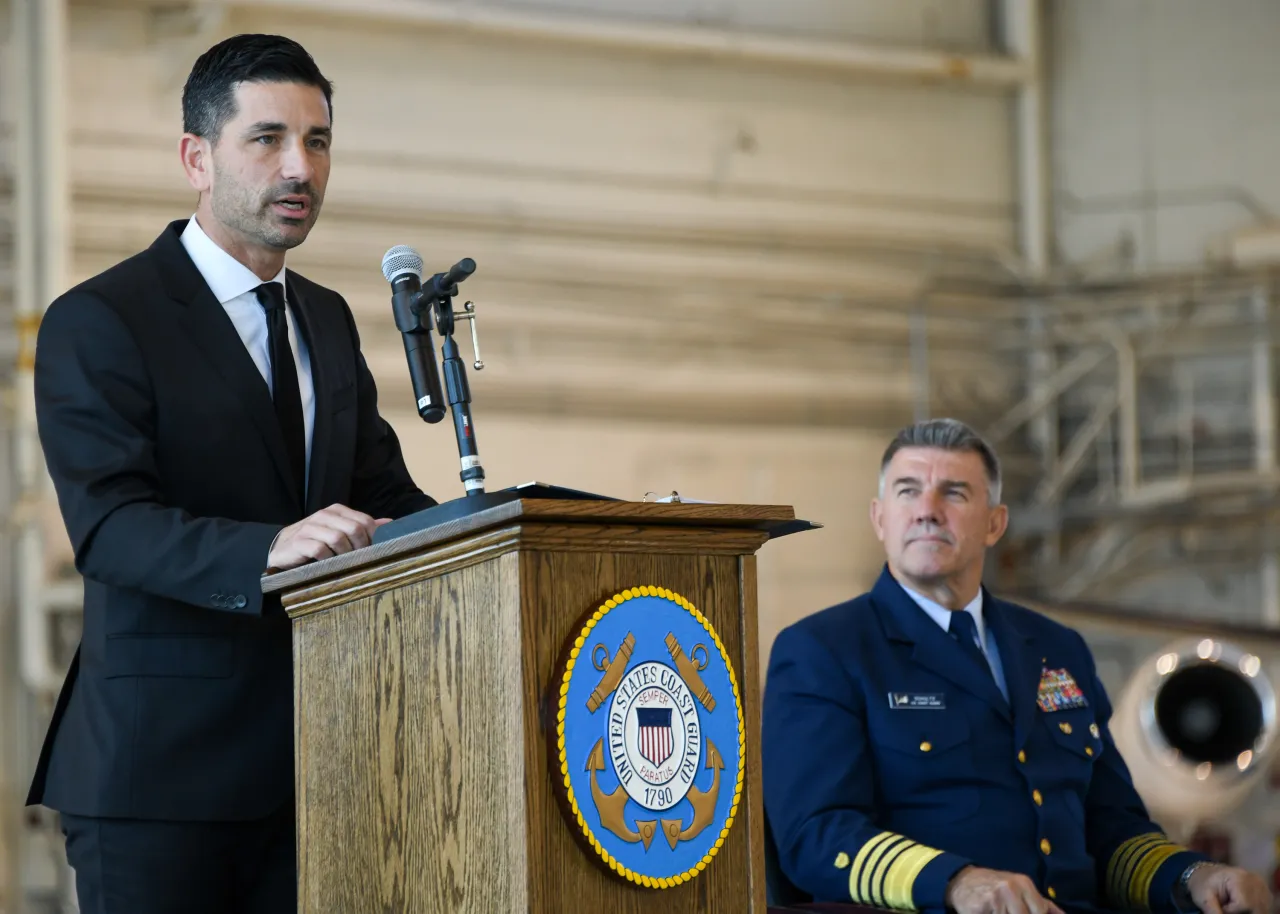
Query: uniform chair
[{"x": 779, "y": 890}]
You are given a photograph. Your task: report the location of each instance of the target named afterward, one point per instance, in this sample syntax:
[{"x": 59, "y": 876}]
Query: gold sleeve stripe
[
  {"x": 879, "y": 866},
  {"x": 859, "y": 887},
  {"x": 1120, "y": 868},
  {"x": 885, "y": 870},
  {"x": 1140, "y": 888},
  {"x": 1133, "y": 867},
  {"x": 1126, "y": 861},
  {"x": 903, "y": 877}
]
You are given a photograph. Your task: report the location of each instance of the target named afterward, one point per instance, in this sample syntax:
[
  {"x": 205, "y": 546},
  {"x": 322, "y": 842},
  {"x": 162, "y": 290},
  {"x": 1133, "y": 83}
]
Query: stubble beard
[{"x": 249, "y": 215}]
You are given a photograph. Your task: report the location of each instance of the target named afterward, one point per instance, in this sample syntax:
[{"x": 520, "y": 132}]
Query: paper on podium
[{"x": 675, "y": 498}]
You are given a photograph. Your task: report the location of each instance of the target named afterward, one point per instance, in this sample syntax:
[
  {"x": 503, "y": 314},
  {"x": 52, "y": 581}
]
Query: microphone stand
[
  {"x": 438, "y": 294},
  {"x": 414, "y": 314}
]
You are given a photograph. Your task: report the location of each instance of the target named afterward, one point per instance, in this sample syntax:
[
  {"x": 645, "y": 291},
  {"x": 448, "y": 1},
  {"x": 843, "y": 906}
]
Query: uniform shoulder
[
  {"x": 1030, "y": 620},
  {"x": 834, "y": 624}
]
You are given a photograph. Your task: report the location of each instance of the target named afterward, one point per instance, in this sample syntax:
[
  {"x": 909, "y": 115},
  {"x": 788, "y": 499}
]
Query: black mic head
[
  {"x": 401, "y": 260},
  {"x": 459, "y": 271}
]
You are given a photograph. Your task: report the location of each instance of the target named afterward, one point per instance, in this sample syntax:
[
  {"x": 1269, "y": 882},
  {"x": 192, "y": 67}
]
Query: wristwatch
[{"x": 1181, "y": 892}]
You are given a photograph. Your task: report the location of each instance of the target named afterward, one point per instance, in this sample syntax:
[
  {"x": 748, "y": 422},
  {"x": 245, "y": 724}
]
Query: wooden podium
[{"x": 423, "y": 672}]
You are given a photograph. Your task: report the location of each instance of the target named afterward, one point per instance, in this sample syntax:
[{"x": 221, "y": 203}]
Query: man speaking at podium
[
  {"x": 205, "y": 414},
  {"x": 927, "y": 746}
]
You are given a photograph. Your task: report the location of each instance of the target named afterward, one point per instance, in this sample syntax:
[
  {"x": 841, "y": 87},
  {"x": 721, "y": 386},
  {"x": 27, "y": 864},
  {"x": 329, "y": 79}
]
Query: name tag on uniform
[{"x": 918, "y": 701}]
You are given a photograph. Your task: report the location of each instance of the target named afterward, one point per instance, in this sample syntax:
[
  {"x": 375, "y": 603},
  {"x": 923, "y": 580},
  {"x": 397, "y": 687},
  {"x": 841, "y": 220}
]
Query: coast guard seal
[{"x": 649, "y": 737}]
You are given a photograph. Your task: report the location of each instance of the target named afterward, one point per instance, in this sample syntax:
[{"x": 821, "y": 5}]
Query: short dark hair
[
  {"x": 208, "y": 98},
  {"x": 947, "y": 435}
]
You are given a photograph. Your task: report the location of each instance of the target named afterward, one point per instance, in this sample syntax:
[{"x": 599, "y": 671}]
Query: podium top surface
[{"x": 773, "y": 519}]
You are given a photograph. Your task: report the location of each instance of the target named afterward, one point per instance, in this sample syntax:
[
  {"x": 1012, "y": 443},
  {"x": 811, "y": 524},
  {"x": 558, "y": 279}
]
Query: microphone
[{"x": 402, "y": 267}]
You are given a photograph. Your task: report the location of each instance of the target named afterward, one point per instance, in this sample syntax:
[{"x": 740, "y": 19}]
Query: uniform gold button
[
  {"x": 1093, "y": 728},
  {"x": 1035, "y": 795},
  {"x": 1045, "y": 846},
  {"x": 842, "y": 860},
  {"x": 1088, "y": 750},
  {"x": 1022, "y": 756},
  {"x": 1052, "y": 893},
  {"x": 926, "y": 746},
  {"x": 1065, "y": 728}
]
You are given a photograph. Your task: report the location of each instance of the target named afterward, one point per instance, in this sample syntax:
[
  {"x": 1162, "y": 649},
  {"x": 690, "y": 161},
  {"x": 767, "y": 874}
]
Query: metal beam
[
  {"x": 1109, "y": 553},
  {"x": 1264, "y": 394},
  {"x": 1269, "y": 574},
  {"x": 920, "y": 375},
  {"x": 1080, "y": 365},
  {"x": 1127, "y": 391},
  {"x": 1068, "y": 467},
  {"x": 682, "y": 42}
]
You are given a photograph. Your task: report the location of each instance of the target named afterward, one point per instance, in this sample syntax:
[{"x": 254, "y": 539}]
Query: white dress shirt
[
  {"x": 986, "y": 642},
  {"x": 233, "y": 285}
]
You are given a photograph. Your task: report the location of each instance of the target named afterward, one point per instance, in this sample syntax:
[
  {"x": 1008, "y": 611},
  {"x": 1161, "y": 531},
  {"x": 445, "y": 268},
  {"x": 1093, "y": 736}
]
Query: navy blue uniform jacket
[
  {"x": 881, "y": 798},
  {"x": 173, "y": 480}
]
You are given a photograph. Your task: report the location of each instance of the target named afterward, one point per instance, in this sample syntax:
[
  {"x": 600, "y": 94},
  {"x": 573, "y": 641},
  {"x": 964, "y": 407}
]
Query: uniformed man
[{"x": 927, "y": 746}]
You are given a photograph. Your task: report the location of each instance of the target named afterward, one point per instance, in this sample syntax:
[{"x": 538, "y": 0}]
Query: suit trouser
[{"x": 132, "y": 866}]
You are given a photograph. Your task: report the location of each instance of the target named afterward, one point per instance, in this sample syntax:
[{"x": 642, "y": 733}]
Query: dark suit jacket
[
  {"x": 172, "y": 478},
  {"x": 891, "y": 761}
]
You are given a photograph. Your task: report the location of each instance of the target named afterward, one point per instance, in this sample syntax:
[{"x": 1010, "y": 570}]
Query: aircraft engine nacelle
[{"x": 1196, "y": 725}]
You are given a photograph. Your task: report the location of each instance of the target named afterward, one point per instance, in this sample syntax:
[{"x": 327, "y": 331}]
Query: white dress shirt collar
[
  {"x": 942, "y": 615},
  {"x": 227, "y": 277}
]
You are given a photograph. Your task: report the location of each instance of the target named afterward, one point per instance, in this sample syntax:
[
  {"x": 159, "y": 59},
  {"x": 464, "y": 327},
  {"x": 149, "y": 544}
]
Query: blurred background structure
[{"x": 726, "y": 247}]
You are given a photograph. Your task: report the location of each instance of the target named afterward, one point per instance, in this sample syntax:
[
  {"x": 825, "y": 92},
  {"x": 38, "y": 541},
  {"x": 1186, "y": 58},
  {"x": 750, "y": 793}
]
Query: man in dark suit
[
  {"x": 927, "y": 746},
  {"x": 205, "y": 414}
]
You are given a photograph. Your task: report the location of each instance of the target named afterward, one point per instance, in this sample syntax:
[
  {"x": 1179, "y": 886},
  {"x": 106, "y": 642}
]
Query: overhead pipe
[
  {"x": 1021, "y": 23},
  {"x": 41, "y": 240},
  {"x": 1021, "y": 20},
  {"x": 639, "y": 36}
]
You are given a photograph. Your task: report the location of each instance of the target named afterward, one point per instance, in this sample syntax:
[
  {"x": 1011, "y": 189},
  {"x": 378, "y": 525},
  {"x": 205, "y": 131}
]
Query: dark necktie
[
  {"x": 284, "y": 384},
  {"x": 965, "y": 630}
]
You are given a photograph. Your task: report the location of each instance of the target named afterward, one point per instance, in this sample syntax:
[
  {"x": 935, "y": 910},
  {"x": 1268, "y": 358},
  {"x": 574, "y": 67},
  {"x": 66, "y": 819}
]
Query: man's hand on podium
[
  {"x": 974, "y": 890},
  {"x": 330, "y": 531}
]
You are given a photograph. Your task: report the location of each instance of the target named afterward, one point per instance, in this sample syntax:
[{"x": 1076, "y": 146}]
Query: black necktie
[
  {"x": 965, "y": 631},
  {"x": 284, "y": 384}
]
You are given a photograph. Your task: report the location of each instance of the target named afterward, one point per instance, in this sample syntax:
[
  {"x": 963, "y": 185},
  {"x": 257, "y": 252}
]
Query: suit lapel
[
  {"x": 322, "y": 426},
  {"x": 212, "y": 332},
  {"x": 1020, "y": 657},
  {"x": 933, "y": 648}
]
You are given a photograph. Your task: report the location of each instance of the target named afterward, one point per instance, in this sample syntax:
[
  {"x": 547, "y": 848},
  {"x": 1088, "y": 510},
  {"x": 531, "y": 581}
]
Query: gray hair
[{"x": 947, "y": 435}]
